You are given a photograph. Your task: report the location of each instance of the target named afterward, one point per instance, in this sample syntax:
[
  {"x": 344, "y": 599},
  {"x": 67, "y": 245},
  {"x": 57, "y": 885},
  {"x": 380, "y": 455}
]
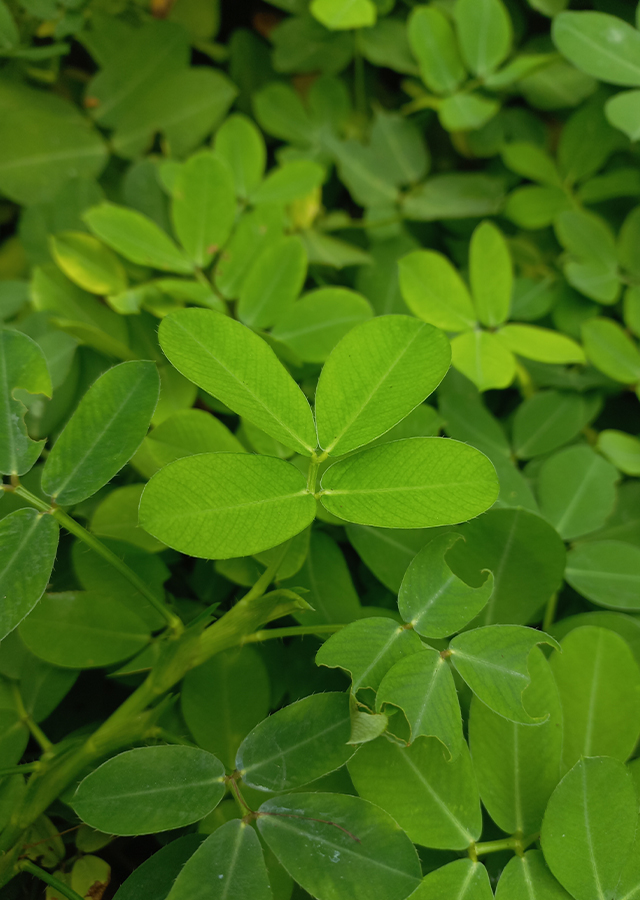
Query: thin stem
[
  {"x": 268, "y": 634},
  {"x": 550, "y": 612},
  {"x": 27, "y": 866},
  {"x": 312, "y": 474},
  {"x": 267, "y": 576},
  {"x": 242, "y": 803},
  {"x": 36, "y": 731},
  {"x": 516, "y": 843},
  {"x": 24, "y": 769},
  {"x": 98, "y": 547}
]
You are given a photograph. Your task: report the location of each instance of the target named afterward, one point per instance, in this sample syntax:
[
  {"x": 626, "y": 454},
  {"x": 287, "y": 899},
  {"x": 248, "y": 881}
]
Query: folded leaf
[
  {"x": 28, "y": 544},
  {"x": 106, "y": 429},
  {"x": 22, "y": 365},
  {"x": 229, "y": 863},
  {"x": 221, "y": 505},
  {"x": 390, "y": 364},
  {"x": 412, "y": 483},
  {"x": 422, "y": 686},
  {"x": 238, "y": 367},
  {"x": 297, "y": 744},
  {"x": 367, "y": 649},
  {"x": 150, "y": 789},
  {"x": 589, "y": 827},
  {"x": 435, "y": 800},
  {"x": 337, "y": 846},
  {"x": 433, "y": 598},
  {"x": 493, "y": 662}
]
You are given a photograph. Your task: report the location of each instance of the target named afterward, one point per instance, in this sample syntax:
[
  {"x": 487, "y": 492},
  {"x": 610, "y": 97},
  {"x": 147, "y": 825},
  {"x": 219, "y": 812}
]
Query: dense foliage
[{"x": 319, "y": 379}]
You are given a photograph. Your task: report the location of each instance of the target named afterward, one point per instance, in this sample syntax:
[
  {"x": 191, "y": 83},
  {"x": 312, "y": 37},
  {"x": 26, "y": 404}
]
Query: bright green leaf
[
  {"x": 291, "y": 181},
  {"x": 528, "y": 878},
  {"x": 483, "y": 358},
  {"x": 623, "y": 111},
  {"x": 391, "y": 364},
  {"x": 274, "y": 282},
  {"x": 88, "y": 263},
  {"x": 434, "y": 291},
  {"x": 343, "y": 14},
  {"x": 611, "y": 350},
  {"x": 240, "y": 369},
  {"x": 491, "y": 274},
  {"x": 541, "y": 344},
  {"x": 221, "y": 505},
  {"x": 434, "y": 45},
  {"x": 413, "y": 483},
  {"x": 484, "y": 32},
  {"x": 622, "y": 449},
  {"x": 241, "y": 145},
  {"x": 601, "y": 45}
]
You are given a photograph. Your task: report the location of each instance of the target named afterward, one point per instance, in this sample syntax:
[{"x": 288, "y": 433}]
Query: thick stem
[
  {"x": 98, "y": 547},
  {"x": 27, "y": 866},
  {"x": 267, "y": 576}
]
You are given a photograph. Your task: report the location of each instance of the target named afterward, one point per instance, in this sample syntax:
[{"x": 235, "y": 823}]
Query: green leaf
[
  {"x": 186, "y": 433},
  {"x": 150, "y": 789},
  {"x": 319, "y": 320},
  {"x": 525, "y": 554},
  {"x": 541, "y": 344},
  {"x": 467, "y": 418},
  {"x": 104, "y": 432},
  {"x": 80, "y": 630},
  {"x": 9, "y": 36},
  {"x": 399, "y": 146},
  {"x": 422, "y": 686},
  {"x": 88, "y": 263},
  {"x": 281, "y": 113},
  {"x": 433, "y": 598},
  {"x": 274, "y": 282},
  {"x": 546, "y": 421},
  {"x": 297, "y": 744},
  {"x": 535, "y": 207},
  {"x": 627, "y": 626},
  {"x": 611, "y": 350},
  {"x": 518, "y": 766},
  {"x": 343, "y": 14},
  {"x": 291, "y": 181},
  {"x": 577, "y": 491},
  {"x": 622, "y": 449},
  {"x": 220, "y": 719},
  {"x": 336, "y": 846},
  {"x": 387, "y": 551},
  {"x": 592, "y": 267},
  {"x": 391, "y": 364},
  {"x": 367, "y": 650},
  {"x": 413, "y": 483},
  {"x": 484, "y": 33},
  {"x": 153, "y": 877},
  {"x": 22, "y": 365},
  {"x": 44, "y": 142},
  {"x": 462, "y": 879},
  {"x": 455, "y": 196},
  {"x": 601, "y": 45},
  {"x": 434, "y": 800},
  {"x": 240, "y": 369},
  {"x": 493, "y": 662},
  {"x": 255, "y": 231},
  {"x": 483, "y": 358},
  {"x": 28, "y": 544},
  {"x": 466, "y": 112},
  {"x": 586, "y": 141},
  {"x": 528, "y": 878},
  {"x": 531, "y": 161},
  {"x": 434, "y": 45},
  {"x": 326, "y": 578},
  {"x": 203, "y": 208},
  {"x": 589, "y": 826},
  {"x": 491, "y": 274},
  {"x": 229, "y": 863},
  {"x": 623, "y": 111},
  {"x": 386, "y": 44},
  {"x": 434, "y": 291},
  {"x": 116, "y": 516},
  {"x": 599, "y": 684},
  {"x": 137, "y": 238},
  {"x": 240, "y": 144},
  {"x": 606, "y": 572},
  {"x": 230, "y": 504}
]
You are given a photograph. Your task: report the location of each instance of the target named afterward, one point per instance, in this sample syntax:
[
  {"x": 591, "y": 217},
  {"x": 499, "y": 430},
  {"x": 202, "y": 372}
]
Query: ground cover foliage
[{"x": 319, "y": 379}]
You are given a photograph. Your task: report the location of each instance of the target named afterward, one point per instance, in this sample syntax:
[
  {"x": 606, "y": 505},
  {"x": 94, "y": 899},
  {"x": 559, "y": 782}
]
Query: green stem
[
  {"x": 360, "y": 87},
  {"x": 36, "y": 731},
  {"x": 27, "y": 866},
  {"x": 268, "y": 634},
  {"x": 550, "y": 612},
  {"x": 98, "y": 547},
  {"x": 267, "y": 576},
  {"x": 516, "y": 843},
  {"x": 24, "y": 769}
]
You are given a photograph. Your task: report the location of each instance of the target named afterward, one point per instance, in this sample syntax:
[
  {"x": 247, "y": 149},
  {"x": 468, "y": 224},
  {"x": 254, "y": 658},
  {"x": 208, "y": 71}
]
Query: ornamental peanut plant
[{"x": 319, "y": 444}]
